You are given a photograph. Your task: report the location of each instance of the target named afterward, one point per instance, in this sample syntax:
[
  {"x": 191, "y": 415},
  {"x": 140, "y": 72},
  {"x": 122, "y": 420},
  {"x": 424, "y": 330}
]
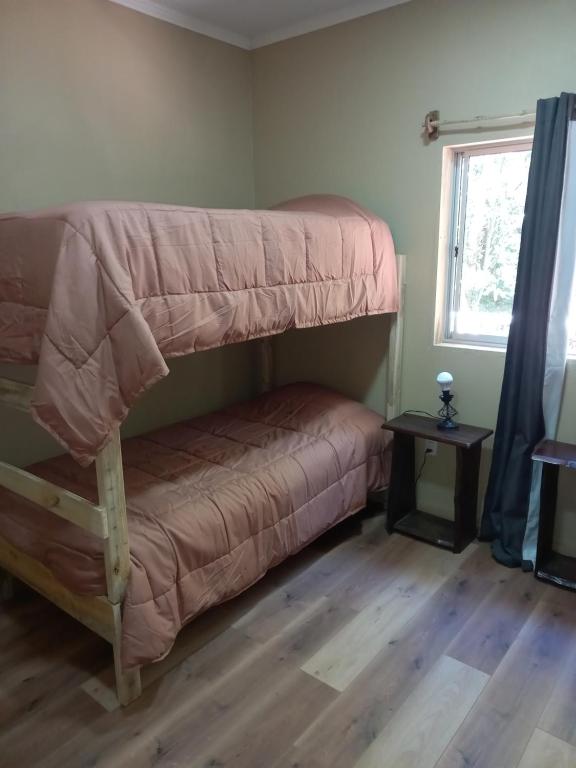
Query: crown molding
[
  {"x": 321, "y": 21},
  {"x": 186, "y": 20}
]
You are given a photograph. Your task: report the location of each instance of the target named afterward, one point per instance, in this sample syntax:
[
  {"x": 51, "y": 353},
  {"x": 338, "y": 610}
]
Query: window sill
[
  {"x": 474, "y": 347},
  {"x": 570, "y": 359}
]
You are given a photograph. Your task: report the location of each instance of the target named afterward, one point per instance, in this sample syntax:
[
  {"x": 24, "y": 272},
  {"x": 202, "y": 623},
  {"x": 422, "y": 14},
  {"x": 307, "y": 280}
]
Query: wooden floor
[{"x": 365, "y": 651}]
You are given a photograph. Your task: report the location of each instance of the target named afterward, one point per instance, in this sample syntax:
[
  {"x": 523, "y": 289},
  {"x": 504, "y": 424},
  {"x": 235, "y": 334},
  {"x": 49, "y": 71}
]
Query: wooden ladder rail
[{"x": 107, "y": 520}]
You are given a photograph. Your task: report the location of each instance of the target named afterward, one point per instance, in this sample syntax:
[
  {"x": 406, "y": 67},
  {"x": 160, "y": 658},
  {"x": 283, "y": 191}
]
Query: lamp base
[
  {"x": 447, "y": 412},
  {"x": 447, "y": 424}
]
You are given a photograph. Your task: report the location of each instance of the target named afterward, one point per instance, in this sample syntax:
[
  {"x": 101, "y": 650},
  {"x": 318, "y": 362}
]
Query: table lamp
[{"x": 445, "y": 381}]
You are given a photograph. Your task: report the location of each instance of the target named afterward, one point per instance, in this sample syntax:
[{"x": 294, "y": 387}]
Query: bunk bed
[{"x": 97, "y": 297}]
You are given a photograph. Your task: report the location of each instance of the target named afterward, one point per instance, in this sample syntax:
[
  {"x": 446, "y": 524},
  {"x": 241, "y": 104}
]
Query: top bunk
[{"x": 98, "y": 295}]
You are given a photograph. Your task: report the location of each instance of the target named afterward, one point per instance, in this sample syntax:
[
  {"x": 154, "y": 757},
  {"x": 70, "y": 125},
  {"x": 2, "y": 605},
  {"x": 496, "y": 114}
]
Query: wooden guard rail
[
  {"x": 61, "y": 502},
  {"x": 107, "y": 519}
]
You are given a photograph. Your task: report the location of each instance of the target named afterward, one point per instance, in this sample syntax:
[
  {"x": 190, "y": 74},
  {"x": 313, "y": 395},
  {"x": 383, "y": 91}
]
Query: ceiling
[{"x": 254, "y": 23}]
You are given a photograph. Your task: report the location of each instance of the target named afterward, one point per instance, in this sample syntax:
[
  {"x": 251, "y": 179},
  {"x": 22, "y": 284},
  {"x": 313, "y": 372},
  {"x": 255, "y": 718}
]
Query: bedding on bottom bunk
[{"x": 213, "y": 503}]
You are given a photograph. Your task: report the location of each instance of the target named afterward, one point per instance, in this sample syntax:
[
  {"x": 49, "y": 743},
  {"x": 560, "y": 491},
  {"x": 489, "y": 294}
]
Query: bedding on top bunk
[
  {"x": 213, "y": 503},
  {"x": 99, "y": 294}
]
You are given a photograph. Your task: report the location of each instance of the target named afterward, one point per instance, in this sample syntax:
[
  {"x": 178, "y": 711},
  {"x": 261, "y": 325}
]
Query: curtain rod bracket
[{"x": 431, "y": 123}]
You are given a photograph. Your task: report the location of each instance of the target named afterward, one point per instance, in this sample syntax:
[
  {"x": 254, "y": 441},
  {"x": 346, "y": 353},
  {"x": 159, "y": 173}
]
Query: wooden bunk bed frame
[{"x": 108, "y": 519}]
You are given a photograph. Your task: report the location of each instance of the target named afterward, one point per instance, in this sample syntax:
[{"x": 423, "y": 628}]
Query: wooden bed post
[
  {"x": 265, "y": 364},
  {"x": 112, "y": 499},
  {"x": 6, "y": 586},
  {"x": 395, "y": 343}
]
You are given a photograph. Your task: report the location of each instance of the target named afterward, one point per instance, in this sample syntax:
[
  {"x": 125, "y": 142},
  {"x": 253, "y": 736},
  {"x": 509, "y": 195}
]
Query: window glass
[{"x": 489, "y": 194}]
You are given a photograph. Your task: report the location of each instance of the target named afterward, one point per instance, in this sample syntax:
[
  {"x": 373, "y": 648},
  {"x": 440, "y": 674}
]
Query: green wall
[
  {"x": 100, "y": 102},
  {"x": 97, "y": 101},
  {"x": 340, "y": 110}
]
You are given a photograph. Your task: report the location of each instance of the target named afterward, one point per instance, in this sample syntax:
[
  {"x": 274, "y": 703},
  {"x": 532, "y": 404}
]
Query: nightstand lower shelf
[
  {"x": 557, "y": 569},
  {"x": 427, "y": 527}
]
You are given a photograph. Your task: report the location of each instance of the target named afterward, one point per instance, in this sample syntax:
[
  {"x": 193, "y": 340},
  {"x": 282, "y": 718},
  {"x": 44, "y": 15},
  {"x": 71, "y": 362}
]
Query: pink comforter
[
  {"x": 213, "y": 503},
  {"x": 100, "y": 294}
]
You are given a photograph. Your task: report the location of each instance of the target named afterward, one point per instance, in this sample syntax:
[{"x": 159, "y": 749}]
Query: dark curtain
[{"x": 520, "y": 416}]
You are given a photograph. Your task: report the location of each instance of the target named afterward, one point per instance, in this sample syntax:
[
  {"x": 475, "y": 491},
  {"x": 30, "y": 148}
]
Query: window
[{"x": 483, "y": 199}]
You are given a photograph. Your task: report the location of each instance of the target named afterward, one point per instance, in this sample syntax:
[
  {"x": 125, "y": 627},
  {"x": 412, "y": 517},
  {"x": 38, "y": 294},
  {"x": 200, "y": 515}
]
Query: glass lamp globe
[{"x": 445, "y": 380}]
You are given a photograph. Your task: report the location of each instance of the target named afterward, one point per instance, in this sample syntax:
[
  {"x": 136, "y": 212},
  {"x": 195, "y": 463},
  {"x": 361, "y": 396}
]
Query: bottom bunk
[{"x": 212, "y": 503}]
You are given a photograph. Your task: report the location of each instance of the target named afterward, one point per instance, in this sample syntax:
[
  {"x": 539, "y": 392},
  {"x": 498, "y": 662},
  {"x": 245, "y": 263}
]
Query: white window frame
[{"x": 455, "y": 161}]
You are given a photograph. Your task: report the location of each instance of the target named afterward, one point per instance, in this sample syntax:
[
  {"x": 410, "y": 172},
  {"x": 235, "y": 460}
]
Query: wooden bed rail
[
  {"x": 107, "y": 520},
  {"x": 96, "y": 613},
  {"x": 61, "y": 502}
]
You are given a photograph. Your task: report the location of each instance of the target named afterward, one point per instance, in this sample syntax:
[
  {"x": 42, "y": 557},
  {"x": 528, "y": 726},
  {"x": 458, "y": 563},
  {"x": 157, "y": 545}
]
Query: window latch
[{"x": 456, "y": 251}]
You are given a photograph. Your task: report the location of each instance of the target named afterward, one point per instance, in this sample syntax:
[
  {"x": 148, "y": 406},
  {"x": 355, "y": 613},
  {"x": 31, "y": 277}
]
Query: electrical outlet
[{"x": 431, "y": 447}]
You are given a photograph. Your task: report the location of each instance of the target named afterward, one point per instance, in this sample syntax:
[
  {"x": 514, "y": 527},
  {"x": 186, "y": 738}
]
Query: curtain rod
[{"x": 433, "y": 126}]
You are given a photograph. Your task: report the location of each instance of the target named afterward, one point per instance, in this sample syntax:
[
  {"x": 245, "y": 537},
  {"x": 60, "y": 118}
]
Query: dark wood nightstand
[
  {"x": 551, "y": 566},
  {"x": 403, "y": 516}
]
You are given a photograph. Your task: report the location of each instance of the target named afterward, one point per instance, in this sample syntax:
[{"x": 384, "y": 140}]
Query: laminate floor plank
[
  {"x": 64, "y": 720},
  {"x": 76, "y": 662},
  {"x": 559, "y": 716},
  {"x": 224, "y": 709},
  {"x": 487, "y": 637},
  {"x": 546, "y": 751},
  {"x": 423, "y": 726},
  {"x": 206, "y": 695},
  {"x": 165, "y": 703},
  {"x": 288, "y": 702},
  {"x": 499, "y": 726},
  {"x": 264, "y": 728},
  {"x": 328, "y": 575},
  {"x": 342, "y": 659},
  {"x": 397, "y": 564},
  {"x": 354, "y": 720},
  {"x": 313, "y": 629}
]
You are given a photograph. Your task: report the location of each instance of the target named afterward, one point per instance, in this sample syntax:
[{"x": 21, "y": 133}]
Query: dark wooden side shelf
[
  {"x": 403, "y": 516},
  {"x": 551, "y": 566}
]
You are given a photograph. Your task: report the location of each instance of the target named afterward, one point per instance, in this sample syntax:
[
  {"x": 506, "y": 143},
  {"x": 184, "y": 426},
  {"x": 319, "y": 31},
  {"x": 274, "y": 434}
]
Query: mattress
[
  {"x": 99, "y": 294},
  {"x": 213, "y": 503}
]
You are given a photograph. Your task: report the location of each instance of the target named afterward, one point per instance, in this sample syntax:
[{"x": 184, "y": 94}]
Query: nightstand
[
  {"x": 551, "y": 566},
  {"x": 403, "y": 516}
]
